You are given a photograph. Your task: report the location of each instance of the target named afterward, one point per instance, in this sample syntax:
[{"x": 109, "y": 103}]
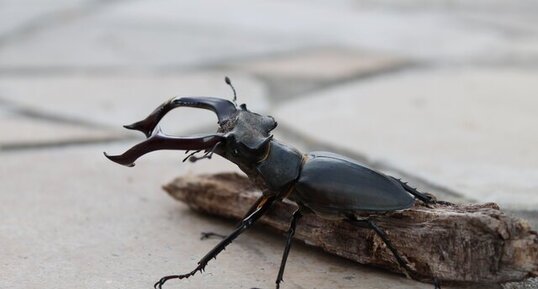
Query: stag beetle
[{"x": 323, "y": 183}]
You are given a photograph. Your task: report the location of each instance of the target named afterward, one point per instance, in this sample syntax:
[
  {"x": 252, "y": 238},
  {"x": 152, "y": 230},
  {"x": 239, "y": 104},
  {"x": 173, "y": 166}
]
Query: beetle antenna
[{"x": 229, "y": 82}]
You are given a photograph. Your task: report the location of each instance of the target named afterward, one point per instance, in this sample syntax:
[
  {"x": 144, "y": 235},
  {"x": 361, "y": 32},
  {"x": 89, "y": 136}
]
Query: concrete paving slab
[
  {"x": 22, "y": 132},
  {"x": 115, "y": 100},
  {"x": 75, "y": 220},
  {"x": 467, "y": 130}
]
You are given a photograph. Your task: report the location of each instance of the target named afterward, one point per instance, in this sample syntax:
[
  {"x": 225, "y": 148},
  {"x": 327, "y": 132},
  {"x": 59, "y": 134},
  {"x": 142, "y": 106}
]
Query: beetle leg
[
  {"x": 425, "y": 198},
  {"x": 403, "y": 265},
  {"x": 207, "y": 235},
  {"x": 264, "y": 205},
  {"x": 291, "y": 231},
  {"x": 411, "y": 274}
]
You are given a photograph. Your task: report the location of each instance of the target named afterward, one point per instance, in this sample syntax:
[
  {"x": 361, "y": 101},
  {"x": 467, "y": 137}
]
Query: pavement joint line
[
  {"x": 52, "y": 19},
  {"x": 223, "y": 64},
  {"x": 405, "y": 66},
  {"x": 43, "y": 116},
  {"x": 71, "y": 70},
  {"x": 227, "y": 64},
  {"x": 78, "y": 142},
  {"x": 230, "y": 62},
  {"x": 528, "y": 63},
  {"x": 509, "y": 30},
  {"x": 17, "y": 147}
]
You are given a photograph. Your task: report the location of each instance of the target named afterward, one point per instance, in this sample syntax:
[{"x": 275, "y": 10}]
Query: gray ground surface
[{"x": 442, "y": 93}]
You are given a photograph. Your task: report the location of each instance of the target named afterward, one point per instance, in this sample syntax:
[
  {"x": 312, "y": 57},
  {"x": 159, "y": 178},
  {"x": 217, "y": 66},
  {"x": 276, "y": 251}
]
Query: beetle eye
[{"x": 235, "y": 152}]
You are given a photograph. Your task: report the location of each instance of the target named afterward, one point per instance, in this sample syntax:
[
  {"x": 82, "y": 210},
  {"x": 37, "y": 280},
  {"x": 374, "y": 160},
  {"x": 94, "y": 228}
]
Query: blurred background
[{"x": 441, "y": 93}]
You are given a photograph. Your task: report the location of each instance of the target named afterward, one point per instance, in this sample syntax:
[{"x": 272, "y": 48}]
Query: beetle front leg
[
  {"x": 264, "y": 205},
  {"x": 207, "y": 235},
  {"x": 291, "y": 231}
]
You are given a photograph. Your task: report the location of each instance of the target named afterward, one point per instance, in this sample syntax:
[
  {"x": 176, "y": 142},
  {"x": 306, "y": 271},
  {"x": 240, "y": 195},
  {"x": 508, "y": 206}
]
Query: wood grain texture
[{"x": 462, "y": 243}]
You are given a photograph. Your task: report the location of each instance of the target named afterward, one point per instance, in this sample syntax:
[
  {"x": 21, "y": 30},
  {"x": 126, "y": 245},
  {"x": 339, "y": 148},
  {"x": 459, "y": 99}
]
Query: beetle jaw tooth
[{"x": 118, "y": 159}]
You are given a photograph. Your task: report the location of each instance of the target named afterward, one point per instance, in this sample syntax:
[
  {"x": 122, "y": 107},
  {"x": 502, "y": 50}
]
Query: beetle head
[
  {"x": 247, "y": 137},
  {"x": 242, "y": 137}
]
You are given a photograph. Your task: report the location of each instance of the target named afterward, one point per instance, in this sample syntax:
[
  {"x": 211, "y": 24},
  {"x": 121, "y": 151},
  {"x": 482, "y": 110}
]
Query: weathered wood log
[{"x": 462, "y": 243}]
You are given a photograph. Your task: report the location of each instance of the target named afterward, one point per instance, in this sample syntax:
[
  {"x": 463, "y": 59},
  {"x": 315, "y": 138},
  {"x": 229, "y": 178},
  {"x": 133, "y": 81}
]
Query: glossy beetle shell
[{"x": 335, "y": 186}]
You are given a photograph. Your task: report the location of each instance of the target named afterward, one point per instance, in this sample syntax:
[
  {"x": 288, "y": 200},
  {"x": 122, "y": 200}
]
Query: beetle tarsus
[
  {"x": 436, "y": 283},
  {"x": 207, "y": 235},
  {"x": 425, "y": 198},
  {"x": 159, "y": 284},
  {"x": 445, "y": 203}
]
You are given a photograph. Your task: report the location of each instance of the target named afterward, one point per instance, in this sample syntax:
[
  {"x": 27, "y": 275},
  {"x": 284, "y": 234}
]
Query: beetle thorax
[{"x": 247, "y": 140}]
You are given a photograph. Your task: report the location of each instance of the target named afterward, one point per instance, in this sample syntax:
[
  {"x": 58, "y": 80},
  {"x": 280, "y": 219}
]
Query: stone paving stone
[
  {"x": 115, "y": 100},
  {"x": 468, "y": 130},
  {"x": 75, "y": 220},
  {"x": 21, "y": 132}
]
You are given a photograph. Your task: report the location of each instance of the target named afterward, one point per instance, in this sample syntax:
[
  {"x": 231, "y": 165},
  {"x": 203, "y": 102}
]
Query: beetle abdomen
[{"x": 331, "y": 184}]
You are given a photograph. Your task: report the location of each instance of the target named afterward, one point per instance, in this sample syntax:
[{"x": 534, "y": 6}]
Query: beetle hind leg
[
  {"x": 410, "y": 273},
  {"x": 425, "y": 198}
]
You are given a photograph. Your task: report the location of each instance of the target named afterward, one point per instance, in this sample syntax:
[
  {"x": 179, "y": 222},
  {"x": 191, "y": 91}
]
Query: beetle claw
[
  {"x": 159, "y": 284},
  {"x": 207, "y": 235}
]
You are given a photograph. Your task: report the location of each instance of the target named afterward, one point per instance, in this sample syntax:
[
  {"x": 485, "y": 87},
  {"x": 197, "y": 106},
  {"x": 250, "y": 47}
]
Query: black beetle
[{"x": 326, "y": 184}]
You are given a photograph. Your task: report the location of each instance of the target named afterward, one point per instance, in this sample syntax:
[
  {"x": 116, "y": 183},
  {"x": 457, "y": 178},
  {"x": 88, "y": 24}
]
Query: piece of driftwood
[{"x": 462, "y": 243}]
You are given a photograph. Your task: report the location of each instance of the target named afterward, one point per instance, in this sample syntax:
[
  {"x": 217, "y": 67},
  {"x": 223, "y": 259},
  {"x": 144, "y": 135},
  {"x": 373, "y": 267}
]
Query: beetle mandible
[{"x": 322, "y": 183}]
